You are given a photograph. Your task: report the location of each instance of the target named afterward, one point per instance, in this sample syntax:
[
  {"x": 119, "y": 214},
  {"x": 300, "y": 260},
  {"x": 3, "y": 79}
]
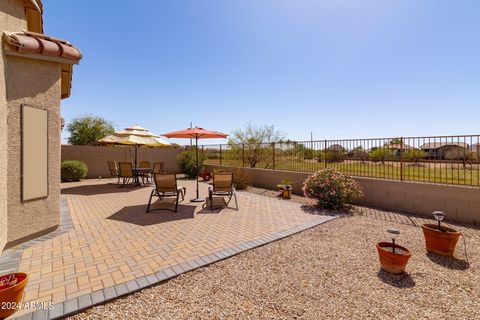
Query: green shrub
[
  {"x": 332, "y": 189},
  {"x": 241, "y": 179},
  {"x": 188, "y": 165},
  {"x": 358, "y": 154},
  {"x": 335, "y": 155},
  {"x": 381, "y": 155},
  {"x": 414, "y": 155},
  {"x": 73, "y": 170}
]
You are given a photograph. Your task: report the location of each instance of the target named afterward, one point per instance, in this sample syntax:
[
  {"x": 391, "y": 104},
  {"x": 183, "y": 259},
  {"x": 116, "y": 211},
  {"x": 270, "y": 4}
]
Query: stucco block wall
[
  {"x": 36, "y": 83},
  {"x": 96, "y": 157},
  {"x": 12, "y": 18},
  {"x": 459, "y": 203}
]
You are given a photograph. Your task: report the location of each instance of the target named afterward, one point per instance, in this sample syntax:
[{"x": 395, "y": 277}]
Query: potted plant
[
  {"x": 11, "y": 292},
  {"x": 285, "y": 187},
  {"x": 206, "y": 175},
  {"x": 393, "y": 257},
  {"x": 439, "y": 239}
]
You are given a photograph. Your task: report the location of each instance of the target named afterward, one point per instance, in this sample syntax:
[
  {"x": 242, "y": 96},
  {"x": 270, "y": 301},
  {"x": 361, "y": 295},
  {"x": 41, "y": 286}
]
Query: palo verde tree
[
  {"x": 88, "y": 129},
  {"x": 255, "y": 142}
]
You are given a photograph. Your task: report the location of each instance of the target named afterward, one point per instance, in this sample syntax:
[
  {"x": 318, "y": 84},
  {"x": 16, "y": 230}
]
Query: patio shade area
[{"x": 107, "y": 240}]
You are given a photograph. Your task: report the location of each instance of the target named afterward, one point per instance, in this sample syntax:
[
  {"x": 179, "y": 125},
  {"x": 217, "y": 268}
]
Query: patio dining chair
[
  {"x": 125, "y": 172},
  {"x": 222, "y": 186},
  {"x": 158, "y": 167},
  {"x": 144, "y": 164},
  {"x": 166, "y": 186},
  {"x": 114, "y": 172},
  {"x": 147, "y": 175}
]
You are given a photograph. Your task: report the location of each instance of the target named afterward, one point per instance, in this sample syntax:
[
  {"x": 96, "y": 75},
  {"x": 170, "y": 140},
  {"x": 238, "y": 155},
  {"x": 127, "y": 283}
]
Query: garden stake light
[
  {"x": 439, "y": 216},
  {"x": 394, "y": 232}
]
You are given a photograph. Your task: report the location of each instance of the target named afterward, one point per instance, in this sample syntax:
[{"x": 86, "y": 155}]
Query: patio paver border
[
  {"x": 10, "y": 258},
  {"x": 76, "y": 305}
]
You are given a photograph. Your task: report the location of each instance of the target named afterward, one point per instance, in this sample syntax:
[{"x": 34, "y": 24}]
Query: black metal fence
[{"x": 440, "y": 159}]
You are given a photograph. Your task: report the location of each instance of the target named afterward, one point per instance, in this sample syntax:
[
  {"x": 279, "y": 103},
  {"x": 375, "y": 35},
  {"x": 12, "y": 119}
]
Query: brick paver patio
[{"x": 110, "y": 242}]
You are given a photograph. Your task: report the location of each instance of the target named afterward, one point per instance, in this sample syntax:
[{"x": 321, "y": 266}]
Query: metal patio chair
[
  {"x": 222, "y": 186},
  {"x": 166, "y": 186},
  {"x": 114, "y": 172},
  {"x": 125, "y": 172},
  {"x": 158, "y": 167}
]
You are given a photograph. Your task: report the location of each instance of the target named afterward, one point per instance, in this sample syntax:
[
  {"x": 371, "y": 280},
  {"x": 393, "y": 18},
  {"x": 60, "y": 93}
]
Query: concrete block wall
[
  {"x": 459, "y": 203},
  {"x": 96, "y": 157}
]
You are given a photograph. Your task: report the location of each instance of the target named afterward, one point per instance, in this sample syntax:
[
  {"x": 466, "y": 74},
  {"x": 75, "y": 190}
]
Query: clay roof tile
[{"x": 36, "y": 43}]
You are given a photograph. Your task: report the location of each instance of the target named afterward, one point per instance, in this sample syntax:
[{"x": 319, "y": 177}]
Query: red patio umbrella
[{"x": 196, "y": 133}]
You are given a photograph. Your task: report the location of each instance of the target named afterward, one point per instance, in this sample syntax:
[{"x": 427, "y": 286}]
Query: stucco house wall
[
  {"x": 36, "y": 83},
  {"x": 37, "y": 75},
  {"x": 12, "y": 17}
]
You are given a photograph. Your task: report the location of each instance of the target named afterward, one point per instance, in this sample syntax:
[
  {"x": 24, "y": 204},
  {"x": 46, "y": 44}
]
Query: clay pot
[
  {"x": 11, "y": 296},
  {"x": 206, "y": 175},
  {"x": 394, "y": 263},
  {"x": 441, "y": 242},
  {"x": 287, "y": 193}
]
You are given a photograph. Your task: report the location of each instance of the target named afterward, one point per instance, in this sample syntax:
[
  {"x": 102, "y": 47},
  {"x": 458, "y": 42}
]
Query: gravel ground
[{"x": 328, "y": 272}]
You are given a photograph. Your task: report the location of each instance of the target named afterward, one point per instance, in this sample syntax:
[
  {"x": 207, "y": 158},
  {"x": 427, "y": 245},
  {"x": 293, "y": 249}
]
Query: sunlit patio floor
[{"x": 108, "y": 246}]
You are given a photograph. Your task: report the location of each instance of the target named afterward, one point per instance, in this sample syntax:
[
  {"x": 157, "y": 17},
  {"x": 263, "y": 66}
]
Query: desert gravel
[{"x": 328, "y": 272}]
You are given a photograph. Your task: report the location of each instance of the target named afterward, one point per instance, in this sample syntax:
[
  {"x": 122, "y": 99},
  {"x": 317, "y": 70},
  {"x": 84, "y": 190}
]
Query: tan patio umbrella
[{"x": 135, "y": 136}]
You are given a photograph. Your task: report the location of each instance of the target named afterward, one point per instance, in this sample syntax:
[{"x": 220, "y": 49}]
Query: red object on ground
[
  {"x": 441, "y": 242},
  {"x": 11, "y": 292},
  {"x": 206, "y": 176},
  {"x": 394, "y": 263}
]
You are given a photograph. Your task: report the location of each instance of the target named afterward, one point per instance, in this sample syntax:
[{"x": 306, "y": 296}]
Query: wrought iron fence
[{"x": 439, "y": 159}]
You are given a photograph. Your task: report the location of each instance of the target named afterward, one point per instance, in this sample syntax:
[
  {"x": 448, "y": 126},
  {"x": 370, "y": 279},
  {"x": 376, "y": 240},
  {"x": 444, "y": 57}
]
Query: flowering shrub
[{"x": 331, "y": 188}]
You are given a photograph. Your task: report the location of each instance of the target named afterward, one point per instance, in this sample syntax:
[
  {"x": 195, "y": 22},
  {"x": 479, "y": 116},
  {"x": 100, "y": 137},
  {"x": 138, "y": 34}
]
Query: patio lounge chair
[
  {"x": 112, "y": 167},
  {"x": 158, "y": 167},
  {"x": 125, "y": 172},
  {"x": 166, "y": 186},
  {"x": 222, "y": 186}
]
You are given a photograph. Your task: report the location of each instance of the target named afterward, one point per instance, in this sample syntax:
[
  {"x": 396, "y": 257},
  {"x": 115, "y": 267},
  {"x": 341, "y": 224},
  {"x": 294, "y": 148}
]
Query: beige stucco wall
[
  {"x": 11, "y": 19},
  {"x": 12, "y": 15},
  {"x": 459, "y": 203},
  {"x": 36, "y": 83},
  {"x": 96, "y": 157}
]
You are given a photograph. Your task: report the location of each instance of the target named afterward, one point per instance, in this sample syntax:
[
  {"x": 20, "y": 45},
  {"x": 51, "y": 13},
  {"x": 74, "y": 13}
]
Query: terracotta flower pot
[
  {"x": 11, "y": 295},
  {"x": 206, "y": 175},
  {"x": 393, "y": 262},
  {"x": 441, "y": 242},
  {"x": 286, "y": 193}
]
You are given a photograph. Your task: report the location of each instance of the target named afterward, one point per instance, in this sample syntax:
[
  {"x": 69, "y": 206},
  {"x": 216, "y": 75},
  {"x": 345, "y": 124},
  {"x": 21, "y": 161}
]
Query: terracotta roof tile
[{"x": 36, "y": 43}]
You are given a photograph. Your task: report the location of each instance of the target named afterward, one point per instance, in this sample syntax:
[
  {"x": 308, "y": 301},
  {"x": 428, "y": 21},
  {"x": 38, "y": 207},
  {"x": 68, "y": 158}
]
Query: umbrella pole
[
  {"x": 197, "y": 199},
  {"x": 136, "y": 148}
]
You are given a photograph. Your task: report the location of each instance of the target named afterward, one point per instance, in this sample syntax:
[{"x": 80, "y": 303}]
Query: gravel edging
[{"x": 328, "y": 272}]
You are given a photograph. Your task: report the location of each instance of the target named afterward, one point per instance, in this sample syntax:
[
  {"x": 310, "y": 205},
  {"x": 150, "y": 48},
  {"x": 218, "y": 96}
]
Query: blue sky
[{"x": 339, "y": 69}]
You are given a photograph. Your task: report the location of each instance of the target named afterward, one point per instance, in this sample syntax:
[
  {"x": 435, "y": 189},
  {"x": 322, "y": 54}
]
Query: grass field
[{"x": 446, "y": 173}]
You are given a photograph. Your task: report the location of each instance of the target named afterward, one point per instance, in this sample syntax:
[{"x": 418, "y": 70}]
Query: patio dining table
[{"x": 141, "y": 172}]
